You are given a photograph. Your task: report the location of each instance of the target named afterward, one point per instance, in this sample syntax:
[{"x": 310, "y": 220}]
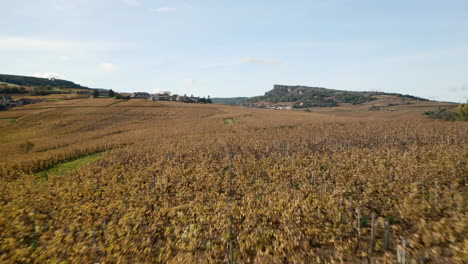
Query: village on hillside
[
  {"x": 7, "y": 101},
  {"x": 269, "y": 105},
  {"x": 166, "y": 96}
]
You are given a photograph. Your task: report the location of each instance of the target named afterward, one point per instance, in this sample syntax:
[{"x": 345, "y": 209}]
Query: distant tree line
[
  {"x": 405, "y": 96},
  {"x": 315, "y": 102},
  {"x": 106, "y": 93},
  {"x": 40, "y": 90},
  {"x": 352, "y": 98},
  {"x": 205, "y": 100},
  {"x": 12, "y": 90},
  {"x": 459, "y": 114},
  {"x": 46, "y": 90},
  {"x": 33, "y": 81}
]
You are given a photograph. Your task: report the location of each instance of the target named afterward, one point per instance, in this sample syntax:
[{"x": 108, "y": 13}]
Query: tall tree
[{"x": 462, "y": 112}]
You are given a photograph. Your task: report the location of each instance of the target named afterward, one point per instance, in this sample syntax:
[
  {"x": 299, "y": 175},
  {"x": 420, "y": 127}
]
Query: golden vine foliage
[{"x": 164, "y": 191}]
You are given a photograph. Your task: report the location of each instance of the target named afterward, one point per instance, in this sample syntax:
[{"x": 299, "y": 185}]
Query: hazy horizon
[{"x": 241, "y": 48}]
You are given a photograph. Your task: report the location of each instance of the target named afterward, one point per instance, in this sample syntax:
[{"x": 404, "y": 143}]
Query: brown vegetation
[{"x": 179, "y": 185}]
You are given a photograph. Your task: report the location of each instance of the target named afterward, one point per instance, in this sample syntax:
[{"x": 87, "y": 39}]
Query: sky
[{"x": 231, "y": 48}]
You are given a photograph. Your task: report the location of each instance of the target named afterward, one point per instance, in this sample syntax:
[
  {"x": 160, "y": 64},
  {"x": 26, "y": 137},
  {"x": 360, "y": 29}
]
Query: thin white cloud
[
  {"x": 109, "y": 67},
  {"x": 132, "y": 2},
  {"x": 186, "y": 5},
  {"x": 245, "y": 60},
  {"x": 33, "y": 44},
  {"x": 158, "y": 90},
  {"x": 193, "y": 82},
  {"x": 64, "y": 58},
  {"x": 434, "y": 98},
  {"x": 18, "y": 43},
  {"x": 59, "y": 7},
  {"x": 48, "y": 75},
  {"x": 462, "y": 88},
  {"x": 88, "y": 83},
  {"x": 189, "y": 81},
  {"x": 64, "y": 5},
  {"x": 260, "y": 61},
  {"x": 54, "y": 75},
  {"x": 164, "y": 9},
  {"x": 221, "y": 64}
]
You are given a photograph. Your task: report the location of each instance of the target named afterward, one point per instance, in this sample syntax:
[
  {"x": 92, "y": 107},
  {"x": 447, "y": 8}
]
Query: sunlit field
[{"x": 134, "y": 181}]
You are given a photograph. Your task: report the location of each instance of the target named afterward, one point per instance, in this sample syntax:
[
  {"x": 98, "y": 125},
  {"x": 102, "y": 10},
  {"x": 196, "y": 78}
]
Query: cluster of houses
[
  {"x": 279, "y": 107},
  {"x": 168, "y": 97},
  {"x": 6, "y": 102},
  {"x": 272, "y": 106}
]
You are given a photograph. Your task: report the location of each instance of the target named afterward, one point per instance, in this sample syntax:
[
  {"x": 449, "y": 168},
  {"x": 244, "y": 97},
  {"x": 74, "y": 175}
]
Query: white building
[{"x": 140, "y": 95}]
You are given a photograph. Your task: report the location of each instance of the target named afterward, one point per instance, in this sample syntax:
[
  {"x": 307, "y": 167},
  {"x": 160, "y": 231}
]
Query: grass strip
[
  {"x": 68, "y": 167},
  {"x": 229, "y": 121}
]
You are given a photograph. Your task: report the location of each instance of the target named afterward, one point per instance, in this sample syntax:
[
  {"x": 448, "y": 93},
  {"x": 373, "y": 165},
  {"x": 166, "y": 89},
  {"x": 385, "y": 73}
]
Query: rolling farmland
[{"x": 117, "y": 181}]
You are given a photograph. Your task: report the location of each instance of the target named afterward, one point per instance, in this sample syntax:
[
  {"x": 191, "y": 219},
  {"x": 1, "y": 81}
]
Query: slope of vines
[{"x": 288, "y": 188}]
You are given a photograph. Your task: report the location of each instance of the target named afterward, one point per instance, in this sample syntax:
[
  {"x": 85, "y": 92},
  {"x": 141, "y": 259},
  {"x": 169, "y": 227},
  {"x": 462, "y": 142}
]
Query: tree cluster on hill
[
  {"x": 315, "y": 102},
  {"x": 405, "y": 96},
  {"x": 205, "y": 100},
  {"x": 462, "y": 112},
  {"x": 304, "y": 97},
  {"x": 34, "y": 81},
  {"x": 46, "y": 90},
  {"x": 459, "y": 114},
  {"x": 12, "y": 90},
  {"x": 103, "y": 93},
  {"x": 353, "y": 98}
]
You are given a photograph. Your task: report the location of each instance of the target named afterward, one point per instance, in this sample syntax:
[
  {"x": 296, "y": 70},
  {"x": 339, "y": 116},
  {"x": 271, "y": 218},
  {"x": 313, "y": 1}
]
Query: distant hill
[
  {"x": 34, "y": 81},
  {"x": 304, "y": 97}
]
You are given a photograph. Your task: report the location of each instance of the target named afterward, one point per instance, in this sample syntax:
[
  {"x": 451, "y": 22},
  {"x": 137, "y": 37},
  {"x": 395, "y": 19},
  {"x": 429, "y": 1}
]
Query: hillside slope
[
  {"x": 305, "y": 97},
  {"x": 15, "y": 87},
  {"x": 136, "y": 181},
  {"x": 16, "y": 80}
]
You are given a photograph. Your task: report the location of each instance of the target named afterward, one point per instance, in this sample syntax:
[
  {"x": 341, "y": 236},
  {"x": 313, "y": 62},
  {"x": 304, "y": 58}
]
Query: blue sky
[{"x": 241, "y": 48}]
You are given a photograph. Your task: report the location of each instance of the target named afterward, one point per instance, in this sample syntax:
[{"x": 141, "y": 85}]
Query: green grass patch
[
  {"x": 11, "y": 120},
  {"x": 229, "y": 121},
  {"x": 9, "y": 84},
  {"x": 68, "y": 167}
]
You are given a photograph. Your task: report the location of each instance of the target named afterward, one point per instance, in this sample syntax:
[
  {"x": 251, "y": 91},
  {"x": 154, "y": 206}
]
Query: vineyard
[{"x": 163, "y": 182}]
